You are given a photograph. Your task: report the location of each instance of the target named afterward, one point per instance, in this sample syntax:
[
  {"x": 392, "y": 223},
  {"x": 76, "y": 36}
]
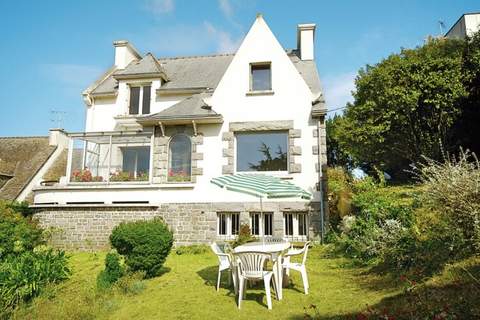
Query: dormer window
[
  {"x": 261, "y": 76},
  {"x": 139, "y": 99}
]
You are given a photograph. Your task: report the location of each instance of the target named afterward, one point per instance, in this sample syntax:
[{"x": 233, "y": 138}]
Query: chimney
[
  {"x": 124, "y": 53},
  {"x": 305, "y": 40}
]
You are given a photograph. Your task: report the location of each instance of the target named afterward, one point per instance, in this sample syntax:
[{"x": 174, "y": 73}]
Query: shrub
[
  {"x": 112, "y": 272},
  {"x": 22, "y": 277},
  {"x": 144, "y": 244},
  {"x": 17, "y": 234},
  {"x": 244, "y": 236},
  {"x": 339, "y": 194},
  {"x": 452, "y": 188},
  {"x": 192, "y": 249}
]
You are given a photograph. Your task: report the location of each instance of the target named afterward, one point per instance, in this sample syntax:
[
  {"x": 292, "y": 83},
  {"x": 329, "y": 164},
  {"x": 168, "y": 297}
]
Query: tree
[
  {"x": 467, "y": 130},
  {"x": 336, "y": 156},
  {"x": 404, "y": 107}
]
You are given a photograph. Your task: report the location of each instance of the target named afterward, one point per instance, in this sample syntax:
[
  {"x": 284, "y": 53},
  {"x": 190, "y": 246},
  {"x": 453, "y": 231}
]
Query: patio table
[{"x": 276, "y": 249}]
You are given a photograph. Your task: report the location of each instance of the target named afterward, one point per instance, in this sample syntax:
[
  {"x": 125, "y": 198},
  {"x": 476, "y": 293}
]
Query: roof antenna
[
  {"x": 57, "y": 117},
  {"x": 441, "y": 24}
]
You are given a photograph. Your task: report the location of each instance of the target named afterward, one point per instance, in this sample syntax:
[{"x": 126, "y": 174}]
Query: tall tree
[
  {"x": 336, "y": 155},
  {"x": 404, "y": 107}
]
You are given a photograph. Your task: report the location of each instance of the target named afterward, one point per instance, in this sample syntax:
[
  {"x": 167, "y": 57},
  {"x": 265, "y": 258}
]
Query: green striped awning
[{"x": 261, "y": 185}]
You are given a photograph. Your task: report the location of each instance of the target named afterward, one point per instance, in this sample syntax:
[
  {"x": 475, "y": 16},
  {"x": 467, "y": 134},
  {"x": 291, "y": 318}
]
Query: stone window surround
[
  {"x": 161, "y": 153},
  {"x": 251, "y": 126}
]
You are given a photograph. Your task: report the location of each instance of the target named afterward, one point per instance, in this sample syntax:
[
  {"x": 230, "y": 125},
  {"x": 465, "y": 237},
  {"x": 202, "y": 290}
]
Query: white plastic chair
[
  {"x": 224, "y": 263},
  {"x": 251, "y": 266},
  {"x": 287, "y": 264}
]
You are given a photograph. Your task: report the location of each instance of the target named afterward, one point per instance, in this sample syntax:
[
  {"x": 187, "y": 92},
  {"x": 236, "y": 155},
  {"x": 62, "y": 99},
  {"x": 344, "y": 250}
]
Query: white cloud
[
  {"x": 71, "y": 75},
  {"x": 338, "y": 89},
  {"x": 226, "y": 8},
  {"x": 225, "y": 42},
  {"x": 160, "y": 6},
  {"x": 190, "y": 39}
]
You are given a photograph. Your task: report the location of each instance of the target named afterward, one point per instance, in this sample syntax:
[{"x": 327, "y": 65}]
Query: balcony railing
[{"x": 110, "y": 157}]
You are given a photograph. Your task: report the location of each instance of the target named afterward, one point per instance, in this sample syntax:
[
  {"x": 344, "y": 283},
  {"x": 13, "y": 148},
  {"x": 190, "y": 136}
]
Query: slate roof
[
  {"x": 200, "y": 72},
  {"x": 24, "y": 156},
  {"x": 146, "y": 67},
  {"x": 193, "y": 107}
]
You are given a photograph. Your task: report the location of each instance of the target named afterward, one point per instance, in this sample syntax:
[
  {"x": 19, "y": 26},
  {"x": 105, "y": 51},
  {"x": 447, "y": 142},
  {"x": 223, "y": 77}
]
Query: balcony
[{"x": 122, "y": 157}]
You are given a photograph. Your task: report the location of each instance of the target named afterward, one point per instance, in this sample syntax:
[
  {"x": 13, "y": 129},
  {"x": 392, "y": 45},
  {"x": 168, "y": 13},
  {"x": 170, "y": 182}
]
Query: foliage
[
  {"x": 339, "y": 194},
  {"x": 244, "y": 235},
  {"x": 20, "y": 207},
  {"x": 179, "y": 176},
  {"x": 144, "y": 244},
  {"x": 336, "y": 155},
  {"x": 85, "y": 176},
  {"x": 17, "y": 234},
  {"x": 118, "y": 176},
  {"x": 22, "y": 277},
  {"x": 131, "y": 283},
  {"x": 192, "y": 249},
  {"x": 404, "y": 106},
  {"x": 452, "y": 188},
  {"x": 113, "y": 271}
]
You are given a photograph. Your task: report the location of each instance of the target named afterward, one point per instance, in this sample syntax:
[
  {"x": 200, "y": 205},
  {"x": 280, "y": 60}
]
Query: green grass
[{"x": 186, "y": 290}]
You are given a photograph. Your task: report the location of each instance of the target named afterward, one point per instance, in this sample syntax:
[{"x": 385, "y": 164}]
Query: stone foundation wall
[{"x": 86, "y": 228}]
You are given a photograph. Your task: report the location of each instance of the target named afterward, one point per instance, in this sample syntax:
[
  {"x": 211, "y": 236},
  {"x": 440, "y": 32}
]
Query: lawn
[{"x": 186, "y": 291}]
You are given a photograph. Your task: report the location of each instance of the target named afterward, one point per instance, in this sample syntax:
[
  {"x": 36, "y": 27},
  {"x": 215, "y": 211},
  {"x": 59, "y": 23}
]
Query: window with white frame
[
  {"x": 140, "y": 99},
  {"x": 261, "y": 224},
  {"x": 262, "y": 151},
  {"x": 295, "y": 224},
  {"x": 228, "y": 224}
]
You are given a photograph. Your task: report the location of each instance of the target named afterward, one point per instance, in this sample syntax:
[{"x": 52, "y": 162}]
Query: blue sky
[{"x": 51, "y": 50}]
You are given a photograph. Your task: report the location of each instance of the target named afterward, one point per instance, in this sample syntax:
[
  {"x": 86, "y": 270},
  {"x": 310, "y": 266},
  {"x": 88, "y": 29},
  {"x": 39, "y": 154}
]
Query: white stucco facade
[{"x": 289, "y": 102}]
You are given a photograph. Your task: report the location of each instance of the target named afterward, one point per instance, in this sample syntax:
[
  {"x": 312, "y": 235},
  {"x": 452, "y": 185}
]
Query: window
[
  {"x": 261, "y": 77},
  {"x": 140, "y": 100},
  {"x": 136, "y": 162},
  {"x": 228, "y": 224},
  {"x": 262, "y": 151},
  {"x": 261, "y": 225},
  {"x": 296, "y": 224},
  {"x": 180, "y": 159}
]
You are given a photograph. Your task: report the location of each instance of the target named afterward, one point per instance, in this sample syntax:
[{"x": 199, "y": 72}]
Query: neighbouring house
[
  {"x": 25, "y": 162},
  {"x": 466, "y": 26},
  {"x": 159, "y": 129}
]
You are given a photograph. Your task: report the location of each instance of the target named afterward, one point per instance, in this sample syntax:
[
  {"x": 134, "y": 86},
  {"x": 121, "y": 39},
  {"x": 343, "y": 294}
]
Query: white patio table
[{"x": 276, "y": 249}]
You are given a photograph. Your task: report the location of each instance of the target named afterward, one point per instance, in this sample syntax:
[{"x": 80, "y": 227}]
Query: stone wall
[{"x": 84, "y": 228}]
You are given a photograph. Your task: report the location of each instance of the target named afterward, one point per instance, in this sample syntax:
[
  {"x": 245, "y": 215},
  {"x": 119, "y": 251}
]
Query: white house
[
  {"x": 466, "y": 25},
  {"x": 159, "y": 129}
]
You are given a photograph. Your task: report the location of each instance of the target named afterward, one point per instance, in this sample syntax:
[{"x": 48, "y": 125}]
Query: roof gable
[{"x": 148, "y": 66}]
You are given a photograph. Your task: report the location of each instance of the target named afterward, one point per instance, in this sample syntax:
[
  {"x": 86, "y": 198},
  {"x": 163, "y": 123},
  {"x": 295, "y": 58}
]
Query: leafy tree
[
  {"x": 336, "y": 155},
  {"x": 404, "y": 107},
  {"x": 466, "y": 131}
]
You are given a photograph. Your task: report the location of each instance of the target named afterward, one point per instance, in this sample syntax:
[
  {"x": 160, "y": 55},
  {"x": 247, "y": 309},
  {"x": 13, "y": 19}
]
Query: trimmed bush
[
  {"x": 112, "y": 272},
  {"x": 244, "y": 236},
  {"x": 144, "y": 244}
]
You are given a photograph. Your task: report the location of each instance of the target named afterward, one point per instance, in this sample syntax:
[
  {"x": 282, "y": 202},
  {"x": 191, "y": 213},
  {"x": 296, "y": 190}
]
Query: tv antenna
[
  {"x": 441, "y": 24},
  {"x": 57, "y": 117}
]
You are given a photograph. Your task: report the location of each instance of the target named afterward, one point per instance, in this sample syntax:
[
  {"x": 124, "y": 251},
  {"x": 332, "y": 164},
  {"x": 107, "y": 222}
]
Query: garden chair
[
  {"x": 287, "y": 264},
  {"x": 251, "y": 266},
  {"x": 224, "y": 263}
]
